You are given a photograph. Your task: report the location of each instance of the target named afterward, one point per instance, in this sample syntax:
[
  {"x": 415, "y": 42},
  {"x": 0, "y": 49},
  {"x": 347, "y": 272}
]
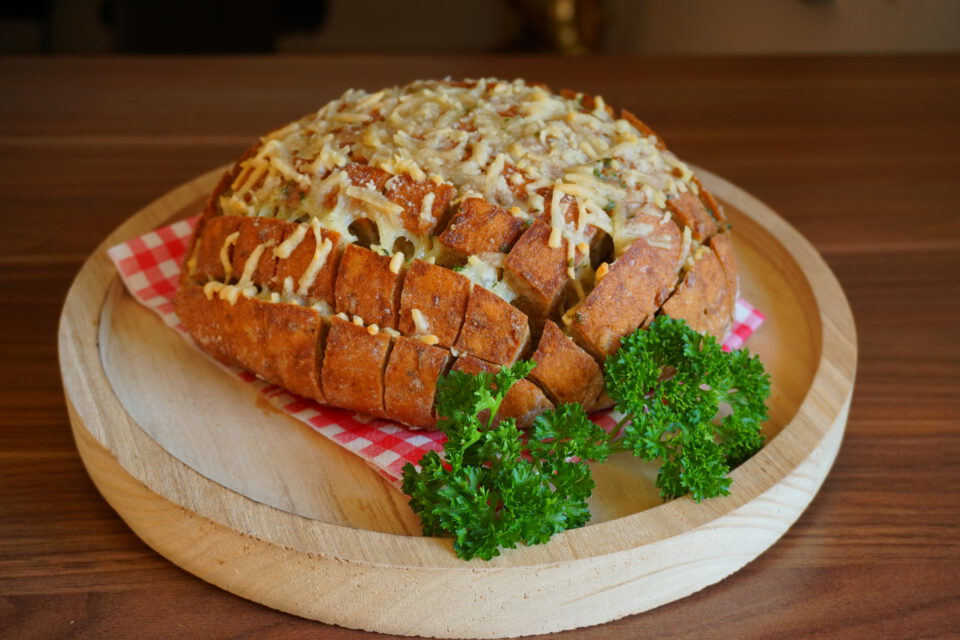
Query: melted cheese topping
[
  {"x": 513, "y": 144},
  {"x": 288, "y": 246},
  {"x": 228, "y": 242},
  {"x": 467, "y": 136},
  {"x": 320, "y": 254}
]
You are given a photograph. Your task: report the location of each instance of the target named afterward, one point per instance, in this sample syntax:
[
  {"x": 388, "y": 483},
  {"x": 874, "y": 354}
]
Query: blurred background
[{"x": 756, "y": 27}]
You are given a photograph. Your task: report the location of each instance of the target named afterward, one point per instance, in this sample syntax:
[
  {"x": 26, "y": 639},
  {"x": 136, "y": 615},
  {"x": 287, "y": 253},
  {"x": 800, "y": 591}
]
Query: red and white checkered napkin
[{"x": 150, "y": 268}]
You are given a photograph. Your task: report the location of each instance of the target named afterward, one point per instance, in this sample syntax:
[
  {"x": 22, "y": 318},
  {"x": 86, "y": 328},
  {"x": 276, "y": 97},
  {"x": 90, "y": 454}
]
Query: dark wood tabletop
[{"x": 862, "y": 155}]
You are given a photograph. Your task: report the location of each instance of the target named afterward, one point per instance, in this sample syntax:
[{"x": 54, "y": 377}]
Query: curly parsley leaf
[
  {"x": 494, "y": 488},
  {"x": 671, "y": 384},
  {"x": 685, "y": 402}
]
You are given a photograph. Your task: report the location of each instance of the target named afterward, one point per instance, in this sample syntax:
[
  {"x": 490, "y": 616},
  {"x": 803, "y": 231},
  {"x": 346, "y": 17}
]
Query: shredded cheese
[
  {"x": 228, "y": 242},
  {"x": 396, "y": 262},
  {"x": 420, "y": 324},
  {"x": 509, "y": 143},
  {"x": 426, "y": 208},
  {"x": 287, "y": 247}
]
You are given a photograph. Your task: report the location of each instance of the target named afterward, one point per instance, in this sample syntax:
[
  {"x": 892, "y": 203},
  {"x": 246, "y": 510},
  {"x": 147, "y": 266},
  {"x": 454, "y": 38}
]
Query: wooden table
[{"x": 862, "y": 155}]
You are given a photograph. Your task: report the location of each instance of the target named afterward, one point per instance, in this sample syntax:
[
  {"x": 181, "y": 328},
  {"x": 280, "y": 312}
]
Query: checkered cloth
[{"x": 150, "y": 268}]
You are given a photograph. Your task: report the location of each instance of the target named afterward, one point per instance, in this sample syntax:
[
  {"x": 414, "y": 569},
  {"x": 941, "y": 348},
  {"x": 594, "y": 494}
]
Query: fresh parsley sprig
[
  {"x": 672, "y": 385},
  {"x": 684, "y": 401},
  {"x": 495, "y": 488}
]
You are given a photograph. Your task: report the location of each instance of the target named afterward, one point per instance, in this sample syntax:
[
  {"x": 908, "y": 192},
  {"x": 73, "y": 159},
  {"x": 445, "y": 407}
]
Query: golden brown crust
[
  {"x": 704, "y": 298},
  {"x": 353, "y": 366},
  {"x": 713, "y": 206},
  {"x": 368, "y": 177},
  {"x": 292, "y": 348},
  {"x": 481, "y": 227},
  {"x": 367, "y": 287},
  {"x": 410, "y": 381},
  {"x": 409, "y": 194},
  {"x": 493, "y": 330},
  {"x": 282, "y": 343},
  {"x": 440, "y": 296},
  {"x": 636, "y": 285},
  {"x": 564, "y": 371},
  {"x": 722, "y": 245},
  {"x": 537, "y": 271},
  {"x": 296, "y": 265},
  {"x": 231, "y": 333},
  {"x": 208, "y": 264},
  {"x": 691, "y": 212},
  {"x": 254, "y": 232}
]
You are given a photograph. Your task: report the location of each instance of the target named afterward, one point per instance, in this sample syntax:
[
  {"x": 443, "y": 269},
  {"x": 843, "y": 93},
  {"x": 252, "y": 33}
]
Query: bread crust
[
  {"x": 481, "y": 227},
  {"x": 493, "y": 330},
  {"x": 293, "y": 347},
  {"x": 410, "y": 381},
  {"x": 410, "y": 194},
  {"x": 538, "y": 272},
  {"x": 637, "y": 283},
  {"x": 690, "y": 211},
  {"x": 564, "y": 371},
  {"x": 231, "y": 333},
  {"x": 365, "y": 305},
  {"x": 367, "y": 287},
  {"x": 289, "y": 271},
  {"x": 353, "y": 365},
  {"x": 440, "y": 297},
  {"x": 255, "y": 232},
  {"x": 704, "y": 297},
  {"x": 282, "y": 343},
  {"x": 208, "y": 245}
]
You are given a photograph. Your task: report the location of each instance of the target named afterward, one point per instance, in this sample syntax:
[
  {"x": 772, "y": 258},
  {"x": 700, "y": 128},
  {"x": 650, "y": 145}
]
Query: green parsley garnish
[
  {"x": 495, "y": 486},
  {"x": 670, "y": 383},
  {"x": 492, "y": 490}
]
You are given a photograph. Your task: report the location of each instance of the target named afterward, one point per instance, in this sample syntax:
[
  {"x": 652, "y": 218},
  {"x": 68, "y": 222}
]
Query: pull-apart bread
[{"x": 360, "y": 253}]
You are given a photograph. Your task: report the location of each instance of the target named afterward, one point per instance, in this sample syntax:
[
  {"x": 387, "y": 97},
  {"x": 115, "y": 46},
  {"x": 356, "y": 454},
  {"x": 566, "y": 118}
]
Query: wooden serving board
[{"x": 258, "y": 504}]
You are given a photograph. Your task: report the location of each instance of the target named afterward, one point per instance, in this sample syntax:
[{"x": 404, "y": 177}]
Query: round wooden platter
[{"x": 260, "y": 505}]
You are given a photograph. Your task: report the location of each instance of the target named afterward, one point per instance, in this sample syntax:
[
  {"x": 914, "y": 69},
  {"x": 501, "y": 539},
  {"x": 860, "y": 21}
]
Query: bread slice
[
  {"x": 564, "y": 371},
  {"x": 410, "y": 381},
  {"x": 353, "y": 366},
  {"x": 434, "y": 302},
  {"x": 635, "y": 286},
  {"x": 705, "y": 297}
]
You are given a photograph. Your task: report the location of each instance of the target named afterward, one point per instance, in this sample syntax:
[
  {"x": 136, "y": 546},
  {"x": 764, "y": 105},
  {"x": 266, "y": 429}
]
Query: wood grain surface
[{"x": 859, "y": 154}]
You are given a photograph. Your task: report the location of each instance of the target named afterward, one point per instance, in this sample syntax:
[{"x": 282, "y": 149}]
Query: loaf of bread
[{"x": 361, "y": 252}]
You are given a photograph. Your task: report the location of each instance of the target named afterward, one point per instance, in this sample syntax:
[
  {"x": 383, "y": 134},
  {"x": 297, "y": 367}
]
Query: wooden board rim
[{"x": 816, "y": 432}]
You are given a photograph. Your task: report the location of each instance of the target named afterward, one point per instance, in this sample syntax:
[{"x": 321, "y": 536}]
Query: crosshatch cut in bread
[{"x": 358, "y": 254}]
